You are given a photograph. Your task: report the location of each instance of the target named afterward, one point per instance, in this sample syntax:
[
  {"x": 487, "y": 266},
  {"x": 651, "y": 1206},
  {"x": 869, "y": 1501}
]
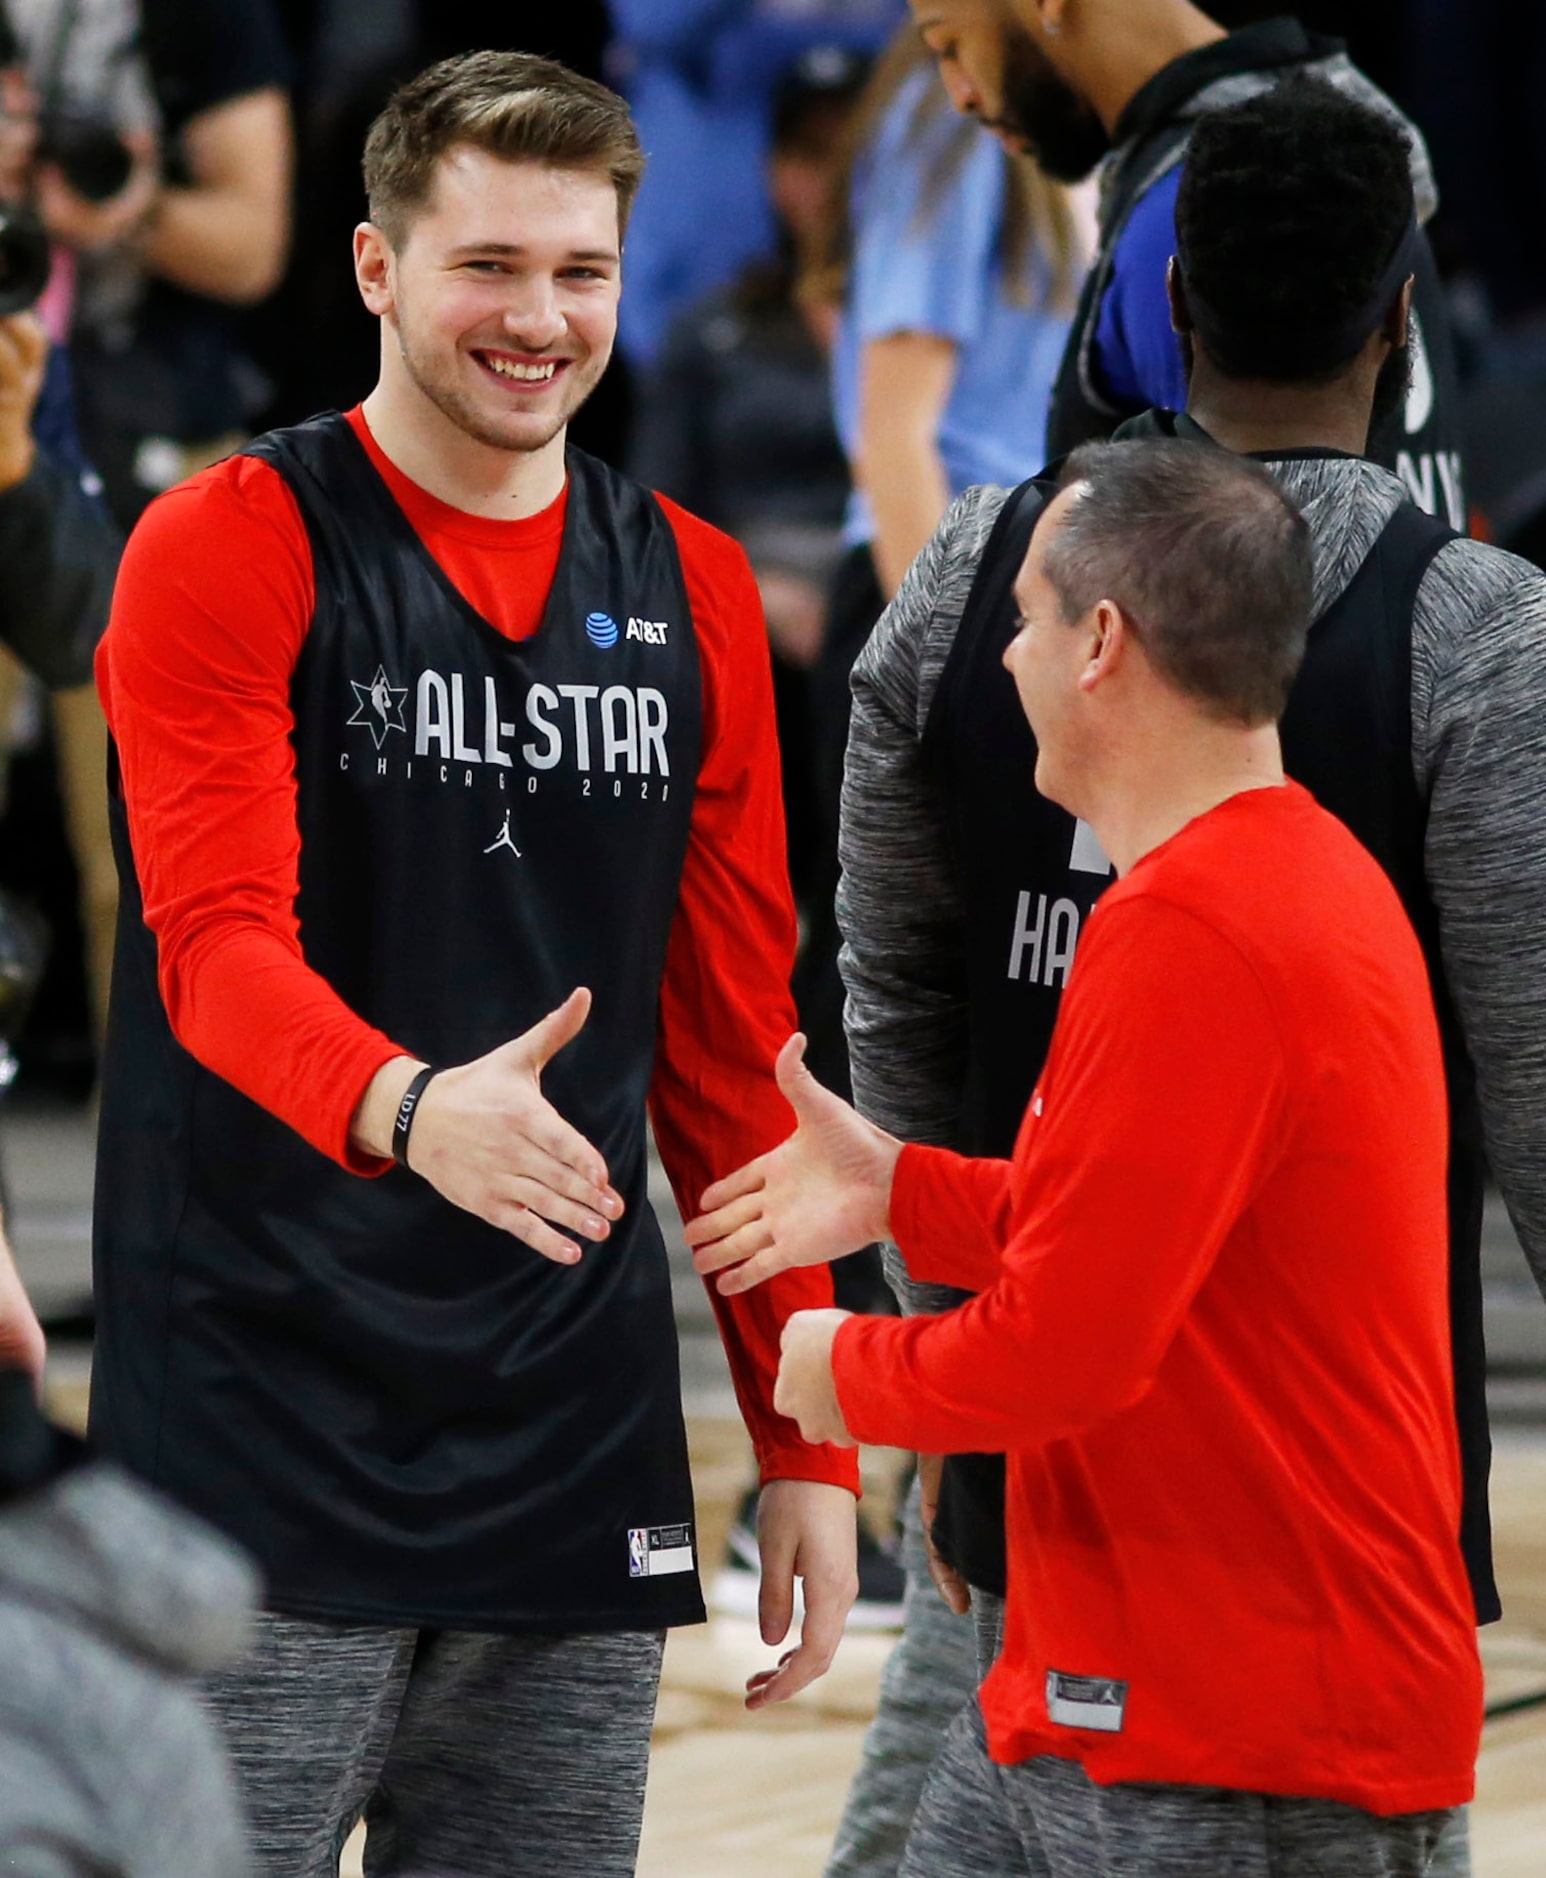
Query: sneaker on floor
[{"x": 736, "y": 1584}]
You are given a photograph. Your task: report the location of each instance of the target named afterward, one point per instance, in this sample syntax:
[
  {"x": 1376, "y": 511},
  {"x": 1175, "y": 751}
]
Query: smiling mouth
[{"x": 534, "y": 372}]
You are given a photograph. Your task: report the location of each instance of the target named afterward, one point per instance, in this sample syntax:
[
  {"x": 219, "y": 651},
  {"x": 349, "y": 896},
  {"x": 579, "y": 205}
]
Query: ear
[
  {"x": 1398, "y": 319},
  {"x": 375, "y": 270},
  {"x": 1175, "y": 293},
  {"x": 1109, "y": 637}
]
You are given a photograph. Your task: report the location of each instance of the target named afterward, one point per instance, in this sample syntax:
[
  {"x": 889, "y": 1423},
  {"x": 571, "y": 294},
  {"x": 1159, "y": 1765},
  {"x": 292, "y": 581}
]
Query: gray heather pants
[
  {"x": 1045, "y": 1818},
  {"x": 931, "y": 1675},
  {"x": 885, "y": 1799},
  {"x": 468, "y": 1754}
]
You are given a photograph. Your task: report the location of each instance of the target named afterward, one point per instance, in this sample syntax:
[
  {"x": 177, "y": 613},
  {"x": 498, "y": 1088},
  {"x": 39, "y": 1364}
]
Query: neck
[
  {"x": 1135, "y": 53},
  {"x": 478, "y": 478},
  {"x": 1165, "y": 782},
  {"x": 1265, "y": 420}
]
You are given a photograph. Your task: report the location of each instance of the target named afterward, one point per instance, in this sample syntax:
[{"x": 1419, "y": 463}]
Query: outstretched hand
[
  {"x": 823, "y": 1192},
  {"x": 486, "y": 1138}
]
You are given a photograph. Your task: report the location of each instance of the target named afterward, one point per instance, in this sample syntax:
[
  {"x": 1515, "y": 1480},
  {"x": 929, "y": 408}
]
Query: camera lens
[{"x": 24, "y": 260}]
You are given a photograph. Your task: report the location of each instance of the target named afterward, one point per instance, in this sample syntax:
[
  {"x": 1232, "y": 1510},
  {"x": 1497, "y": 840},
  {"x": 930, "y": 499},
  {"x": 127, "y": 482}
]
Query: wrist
[{"x": 370, "y": 1131}]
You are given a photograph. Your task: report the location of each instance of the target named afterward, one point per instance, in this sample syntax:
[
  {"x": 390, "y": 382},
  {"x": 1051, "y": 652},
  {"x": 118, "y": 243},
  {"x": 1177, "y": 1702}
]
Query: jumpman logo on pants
[{"x": 504, "y": 839}]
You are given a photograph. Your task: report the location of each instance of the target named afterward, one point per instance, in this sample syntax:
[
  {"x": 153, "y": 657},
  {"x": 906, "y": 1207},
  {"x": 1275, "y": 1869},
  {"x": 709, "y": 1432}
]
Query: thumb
[
  {"x": 801, "y": 1089},
  {"x": 548, "y": 1035}
]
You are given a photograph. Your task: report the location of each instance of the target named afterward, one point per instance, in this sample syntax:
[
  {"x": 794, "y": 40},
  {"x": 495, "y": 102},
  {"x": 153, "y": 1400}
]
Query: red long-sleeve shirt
[
  {"x": 211, "y": 610},
  {"x": 1212, "y": 1336}
]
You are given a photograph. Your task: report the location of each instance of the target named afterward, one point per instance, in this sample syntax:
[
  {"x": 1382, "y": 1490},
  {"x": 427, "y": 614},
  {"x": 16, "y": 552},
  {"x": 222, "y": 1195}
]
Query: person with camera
[{"x": 58, "y": 551}]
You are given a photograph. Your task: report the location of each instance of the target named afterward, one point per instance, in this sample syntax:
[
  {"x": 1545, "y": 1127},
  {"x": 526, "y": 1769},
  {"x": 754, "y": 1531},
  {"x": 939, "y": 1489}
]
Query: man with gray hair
[{"x": 1239, "y": 1636}]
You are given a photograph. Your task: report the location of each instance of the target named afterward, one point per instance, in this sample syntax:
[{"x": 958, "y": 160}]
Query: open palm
[{"x": 823, "y": 1192}]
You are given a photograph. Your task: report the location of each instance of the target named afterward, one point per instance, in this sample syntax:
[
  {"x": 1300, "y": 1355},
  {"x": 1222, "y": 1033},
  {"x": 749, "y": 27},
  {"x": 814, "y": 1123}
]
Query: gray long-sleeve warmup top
[{"x": 1478, "y": 752}]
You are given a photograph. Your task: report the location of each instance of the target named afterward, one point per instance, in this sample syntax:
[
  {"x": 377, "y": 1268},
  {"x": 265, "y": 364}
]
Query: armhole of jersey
[{"x": 987, "y": 571}]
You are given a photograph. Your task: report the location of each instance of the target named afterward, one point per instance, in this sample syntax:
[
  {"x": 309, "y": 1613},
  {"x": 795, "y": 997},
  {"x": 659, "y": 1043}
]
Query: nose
[{"x": 534, "y": 320}]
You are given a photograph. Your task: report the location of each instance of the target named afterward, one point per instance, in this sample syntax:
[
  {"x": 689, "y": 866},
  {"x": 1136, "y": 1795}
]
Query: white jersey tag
[
  {"x": 1086, "y": 1702},
  {"x": 657, "y": 1551}
]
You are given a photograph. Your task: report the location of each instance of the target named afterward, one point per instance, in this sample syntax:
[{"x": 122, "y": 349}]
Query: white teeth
[{"x": 511, "y": 368}]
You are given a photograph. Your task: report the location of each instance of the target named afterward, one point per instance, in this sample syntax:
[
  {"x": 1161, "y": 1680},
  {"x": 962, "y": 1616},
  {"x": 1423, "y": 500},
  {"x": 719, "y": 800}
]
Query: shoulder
[
  {"x": 217, "y": 573},
  {"x": 241, "y": 504},
  {"x": 903, "y": 658},
  {"x": 1468, "y": 580},
  {"x": 1149, "y": 232},
  {"x": 722, "y": 591}
]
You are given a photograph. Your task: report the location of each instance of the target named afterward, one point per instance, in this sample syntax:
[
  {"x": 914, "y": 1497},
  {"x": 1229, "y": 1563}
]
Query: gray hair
[{"x": 1206, "y": 557}]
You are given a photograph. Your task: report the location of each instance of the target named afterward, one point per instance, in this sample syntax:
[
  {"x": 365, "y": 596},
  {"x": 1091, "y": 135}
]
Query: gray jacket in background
[{"x": 112, "y": 1603}]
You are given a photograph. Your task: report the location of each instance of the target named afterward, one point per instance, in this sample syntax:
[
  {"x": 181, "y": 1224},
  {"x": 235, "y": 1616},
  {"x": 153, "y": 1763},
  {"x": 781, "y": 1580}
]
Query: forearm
[
  {"x": 225, "y": 234},
  {"x": 242, "y": 1001},
  {"x": 906, "y": 1014},
  {"x": 950, "y": 1217},
  {"x": 905, "y": 384},
  {"x": 223, "y": 243}
]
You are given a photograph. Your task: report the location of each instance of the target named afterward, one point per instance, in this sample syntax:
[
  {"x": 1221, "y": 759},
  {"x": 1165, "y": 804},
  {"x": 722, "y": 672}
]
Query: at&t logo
[{"x": 601, "y": 630}]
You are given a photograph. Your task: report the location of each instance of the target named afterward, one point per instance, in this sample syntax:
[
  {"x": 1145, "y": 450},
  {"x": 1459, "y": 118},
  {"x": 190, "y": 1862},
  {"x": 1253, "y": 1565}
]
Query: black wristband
[{"x": 402, "y": 1123}]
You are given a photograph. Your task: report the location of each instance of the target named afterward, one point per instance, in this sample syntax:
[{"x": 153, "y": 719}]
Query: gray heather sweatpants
[
  {"x": 468, "y": 1754},
  {"x": 929, "y": 1677},
  {"x": 1045, "y": 1818}
]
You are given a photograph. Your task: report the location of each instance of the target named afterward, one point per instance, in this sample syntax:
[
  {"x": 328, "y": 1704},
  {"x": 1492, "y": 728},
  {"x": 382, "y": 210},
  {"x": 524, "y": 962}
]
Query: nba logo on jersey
[{"x": 657, "y": 1551}]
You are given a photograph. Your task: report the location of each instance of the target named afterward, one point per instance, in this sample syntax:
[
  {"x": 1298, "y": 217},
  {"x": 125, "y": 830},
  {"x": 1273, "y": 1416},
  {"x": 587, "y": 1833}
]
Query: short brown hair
[
  {"x": 514, "y": 105},
  {"x": 1206, "y": 557}
]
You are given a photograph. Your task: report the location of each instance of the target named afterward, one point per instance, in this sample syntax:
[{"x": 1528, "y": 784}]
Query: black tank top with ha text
[{"x": 1029, "y": 874}]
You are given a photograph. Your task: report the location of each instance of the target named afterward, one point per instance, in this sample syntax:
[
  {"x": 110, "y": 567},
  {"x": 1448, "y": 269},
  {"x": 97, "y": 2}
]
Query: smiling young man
[{"x": 426, "y": 724}]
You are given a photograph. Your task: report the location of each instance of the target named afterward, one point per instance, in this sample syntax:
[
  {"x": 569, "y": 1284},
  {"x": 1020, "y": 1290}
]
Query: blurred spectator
[
  {"x": 112, "y": 1604},
  {"x": 58, "y": 546},
  {"x": 700, "y": 76},
  {"x": 58, "y": 552},
  {"x": 735, "y": 421},
  {"x": 165, "y": 167},
  {"x": 955, "y": 262}
]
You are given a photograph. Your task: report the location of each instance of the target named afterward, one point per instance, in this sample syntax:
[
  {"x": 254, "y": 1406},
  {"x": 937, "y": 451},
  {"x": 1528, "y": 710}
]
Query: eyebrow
[{"x": 514, "y": 247}]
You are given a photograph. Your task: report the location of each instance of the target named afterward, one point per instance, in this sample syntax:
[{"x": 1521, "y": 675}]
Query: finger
[
  {"x": 30, "y": 337},
  {"x": 753, "y": 1272},
  {"x": 827, "y": 1603},
  {"x": 534, "y": 1231},
  {"x": 775, "y": 1595},
  {"x": 724, "y": 1220},
  {"x": 743, "y": 1243},
  {"x": 542, "y": 1125},
  {"x": 796, "y": 1081},
  {"x": 558, "y": 1210},
  {"x": 748, "y": 1179},
  {"x": 535, "y": 1163},
  {"x": 950, "y": 1585},
  {"x": 549, "y": 1035}
]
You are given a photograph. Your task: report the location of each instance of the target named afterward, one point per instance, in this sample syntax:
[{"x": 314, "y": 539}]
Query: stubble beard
[
  {"x": 1044, "y": 112},
  {"x": 516, "y": 432}
]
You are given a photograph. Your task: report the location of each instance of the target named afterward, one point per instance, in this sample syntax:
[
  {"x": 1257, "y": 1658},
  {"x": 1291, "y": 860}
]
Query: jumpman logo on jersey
[
  {"x": 379, "y": 705},
  {"x": 504, "y": 839}
]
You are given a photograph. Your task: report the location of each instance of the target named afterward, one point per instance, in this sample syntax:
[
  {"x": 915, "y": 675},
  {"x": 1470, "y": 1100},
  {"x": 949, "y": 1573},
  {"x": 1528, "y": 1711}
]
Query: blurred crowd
[{"x": 844, "y": 304}]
